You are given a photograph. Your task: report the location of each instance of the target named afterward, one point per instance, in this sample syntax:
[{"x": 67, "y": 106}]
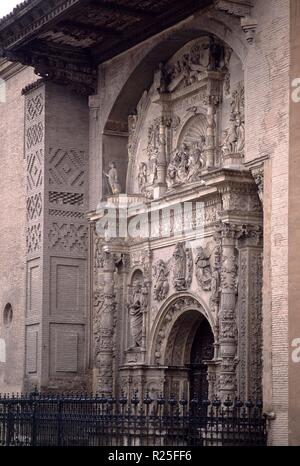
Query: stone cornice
[
  {"x": 9, "y": 69},
  {"x": 239, "y": 8},
  {"x": 65, "y": 40},
  {"x": 258, "y": 162},
  {"x": 40, "y": 13},
  {"x": 31, "y": 87}
]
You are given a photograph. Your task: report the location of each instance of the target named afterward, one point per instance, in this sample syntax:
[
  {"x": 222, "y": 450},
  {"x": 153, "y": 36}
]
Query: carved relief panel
[{"x": 190, "y": 120}]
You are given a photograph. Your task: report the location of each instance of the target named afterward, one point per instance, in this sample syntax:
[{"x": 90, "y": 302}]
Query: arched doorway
[
  {"x": 185, "y": 351},
  {"x": 202, "y": 351}
]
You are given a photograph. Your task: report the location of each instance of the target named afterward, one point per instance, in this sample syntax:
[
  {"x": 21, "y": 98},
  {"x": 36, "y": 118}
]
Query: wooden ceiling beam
[
  {"x": 87, "y": 29},
  {"x": 104, "y": 51},
  {"x": 126, "y": 10}
]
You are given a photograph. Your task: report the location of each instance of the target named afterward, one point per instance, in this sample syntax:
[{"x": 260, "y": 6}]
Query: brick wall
[
  {"x": 12, "y": 228},
  {"x": 267, "y": 120}
]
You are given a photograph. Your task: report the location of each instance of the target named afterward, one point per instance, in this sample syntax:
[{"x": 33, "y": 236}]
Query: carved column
[
  {"x": 160, "y": 183},
  {"x": 250, "y": 313},
  {"x": 106, "y": 329},
  {"x": 210, "y": 132},
  {"x": 227, "y": 313}
]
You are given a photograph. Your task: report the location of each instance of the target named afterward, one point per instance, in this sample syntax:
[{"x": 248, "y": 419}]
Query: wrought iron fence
[{"x": 83, "y": 420}]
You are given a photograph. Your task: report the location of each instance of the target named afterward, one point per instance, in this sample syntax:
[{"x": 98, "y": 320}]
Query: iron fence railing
[{"x": 83, "y": 420}]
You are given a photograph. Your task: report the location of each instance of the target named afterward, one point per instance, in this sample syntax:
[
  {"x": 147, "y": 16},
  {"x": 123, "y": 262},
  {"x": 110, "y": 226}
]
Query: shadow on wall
[{"x": 2, "y": 91}]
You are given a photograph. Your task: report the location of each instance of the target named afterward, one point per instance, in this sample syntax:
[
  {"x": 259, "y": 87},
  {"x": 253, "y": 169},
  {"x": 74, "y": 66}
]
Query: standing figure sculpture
[
  {"x": 179, "y": 274},
  {"x": 203, "y": 269},
  {"x": 136, "y": 314},
  {"x": 112, "y": 177},
  {"x": 161, "y": 287},
  {"x": 142, "y": 176}
]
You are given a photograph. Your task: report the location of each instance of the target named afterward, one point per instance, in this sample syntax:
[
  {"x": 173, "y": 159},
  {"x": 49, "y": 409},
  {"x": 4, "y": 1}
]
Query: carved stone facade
[
  {"x": 195, "y": 213},
  {"x": 183, "y": 147}
]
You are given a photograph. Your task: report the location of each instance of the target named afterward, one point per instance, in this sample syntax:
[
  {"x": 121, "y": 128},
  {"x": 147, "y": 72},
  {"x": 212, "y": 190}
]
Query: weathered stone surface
[{"x": 197, "y": 114}]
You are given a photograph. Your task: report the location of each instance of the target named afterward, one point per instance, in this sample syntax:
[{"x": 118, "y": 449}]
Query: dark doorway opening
[{"x": 202, "y": 350}]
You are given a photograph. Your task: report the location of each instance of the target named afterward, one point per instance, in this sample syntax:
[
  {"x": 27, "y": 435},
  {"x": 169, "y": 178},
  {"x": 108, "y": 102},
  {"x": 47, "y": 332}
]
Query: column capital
[{"x": 94, "y": 101}]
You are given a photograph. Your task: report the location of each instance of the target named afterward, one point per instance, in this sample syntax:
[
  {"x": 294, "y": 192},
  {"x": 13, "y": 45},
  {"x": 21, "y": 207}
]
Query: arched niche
[
  {"x": 136, "y": 87},
  {"x": 135, "y": 310}
]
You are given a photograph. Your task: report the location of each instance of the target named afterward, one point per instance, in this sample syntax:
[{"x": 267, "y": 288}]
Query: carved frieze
[
  {"x": 188, "y": 67},
  {"x": 186, "y": 163}
]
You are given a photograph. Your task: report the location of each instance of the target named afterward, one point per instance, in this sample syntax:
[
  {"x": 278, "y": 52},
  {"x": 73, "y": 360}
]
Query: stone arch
[
  {"x": 182, "y": 309},
  {"x": 139, "y": 77},
  {"x": 145, "y": 62},
  {"x": 137, "y": 270}
]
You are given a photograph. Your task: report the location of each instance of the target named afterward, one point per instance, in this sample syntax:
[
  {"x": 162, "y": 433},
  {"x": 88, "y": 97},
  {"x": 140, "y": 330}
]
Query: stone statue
[
  {"x": 142, "y": 176},
  {"x": 145, "y": 297},
  {"x": 215, "y": 286},
  {"x": 112, "y": 177},
  {"x": 203, "y": 269},
  {"x": 161, "y": 287},
  {"x": 230, "y": 138},
  {"x": 196, "y": 160},
  {"x": 234, "y": 135},
  {"x": 186, "y": 163},
  {"x": 177, "y": 171},
  {"x": 136, "y": 314},
  {"x": 179, "y": 273},
  {"x": 240, "y": 131}
]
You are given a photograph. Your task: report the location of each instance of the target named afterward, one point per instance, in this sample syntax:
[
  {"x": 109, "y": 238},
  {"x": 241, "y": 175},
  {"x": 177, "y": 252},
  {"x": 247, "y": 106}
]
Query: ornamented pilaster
[
  {"x": 211, "y": 103},
  {"x": 250, "y": 312},
  {"x": 226, "y": 234},
  {"x": 160, "y": 184},
  {"x": 104, "y": 327}
]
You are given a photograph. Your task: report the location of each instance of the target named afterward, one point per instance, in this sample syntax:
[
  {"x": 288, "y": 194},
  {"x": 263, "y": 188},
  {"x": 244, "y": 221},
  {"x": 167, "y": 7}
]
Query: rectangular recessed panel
[
  {"x": 67, "y": 349},
  {"x": 31, "y": 349},
  {"x": 34, "y": 287},
  {"x": 67, "y": 289},
  {"x": 66, "y": 357}
]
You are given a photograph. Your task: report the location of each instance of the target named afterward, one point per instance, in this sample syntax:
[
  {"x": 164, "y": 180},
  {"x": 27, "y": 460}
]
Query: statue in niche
[
  {"x": 142, "y": 176},
  {"x": 161, "y": 287},
  {"x": 183, "y": 267},
  {"x": 240, "y": 131},
  {"x": 196, "y": 160},
  {"x": 203, "y": 269},
  {"x": 112, "y": 177},
  {"x": 136, "y": 313},
  {"x": 234, "y": 135},
  {"x": 145, "y": 296},
  {"x": 180, "y": 267}
]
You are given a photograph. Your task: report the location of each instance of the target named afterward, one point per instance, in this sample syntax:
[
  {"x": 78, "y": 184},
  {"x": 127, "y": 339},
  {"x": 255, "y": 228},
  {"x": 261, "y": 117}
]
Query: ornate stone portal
[{"x": 197, "y": 238}]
